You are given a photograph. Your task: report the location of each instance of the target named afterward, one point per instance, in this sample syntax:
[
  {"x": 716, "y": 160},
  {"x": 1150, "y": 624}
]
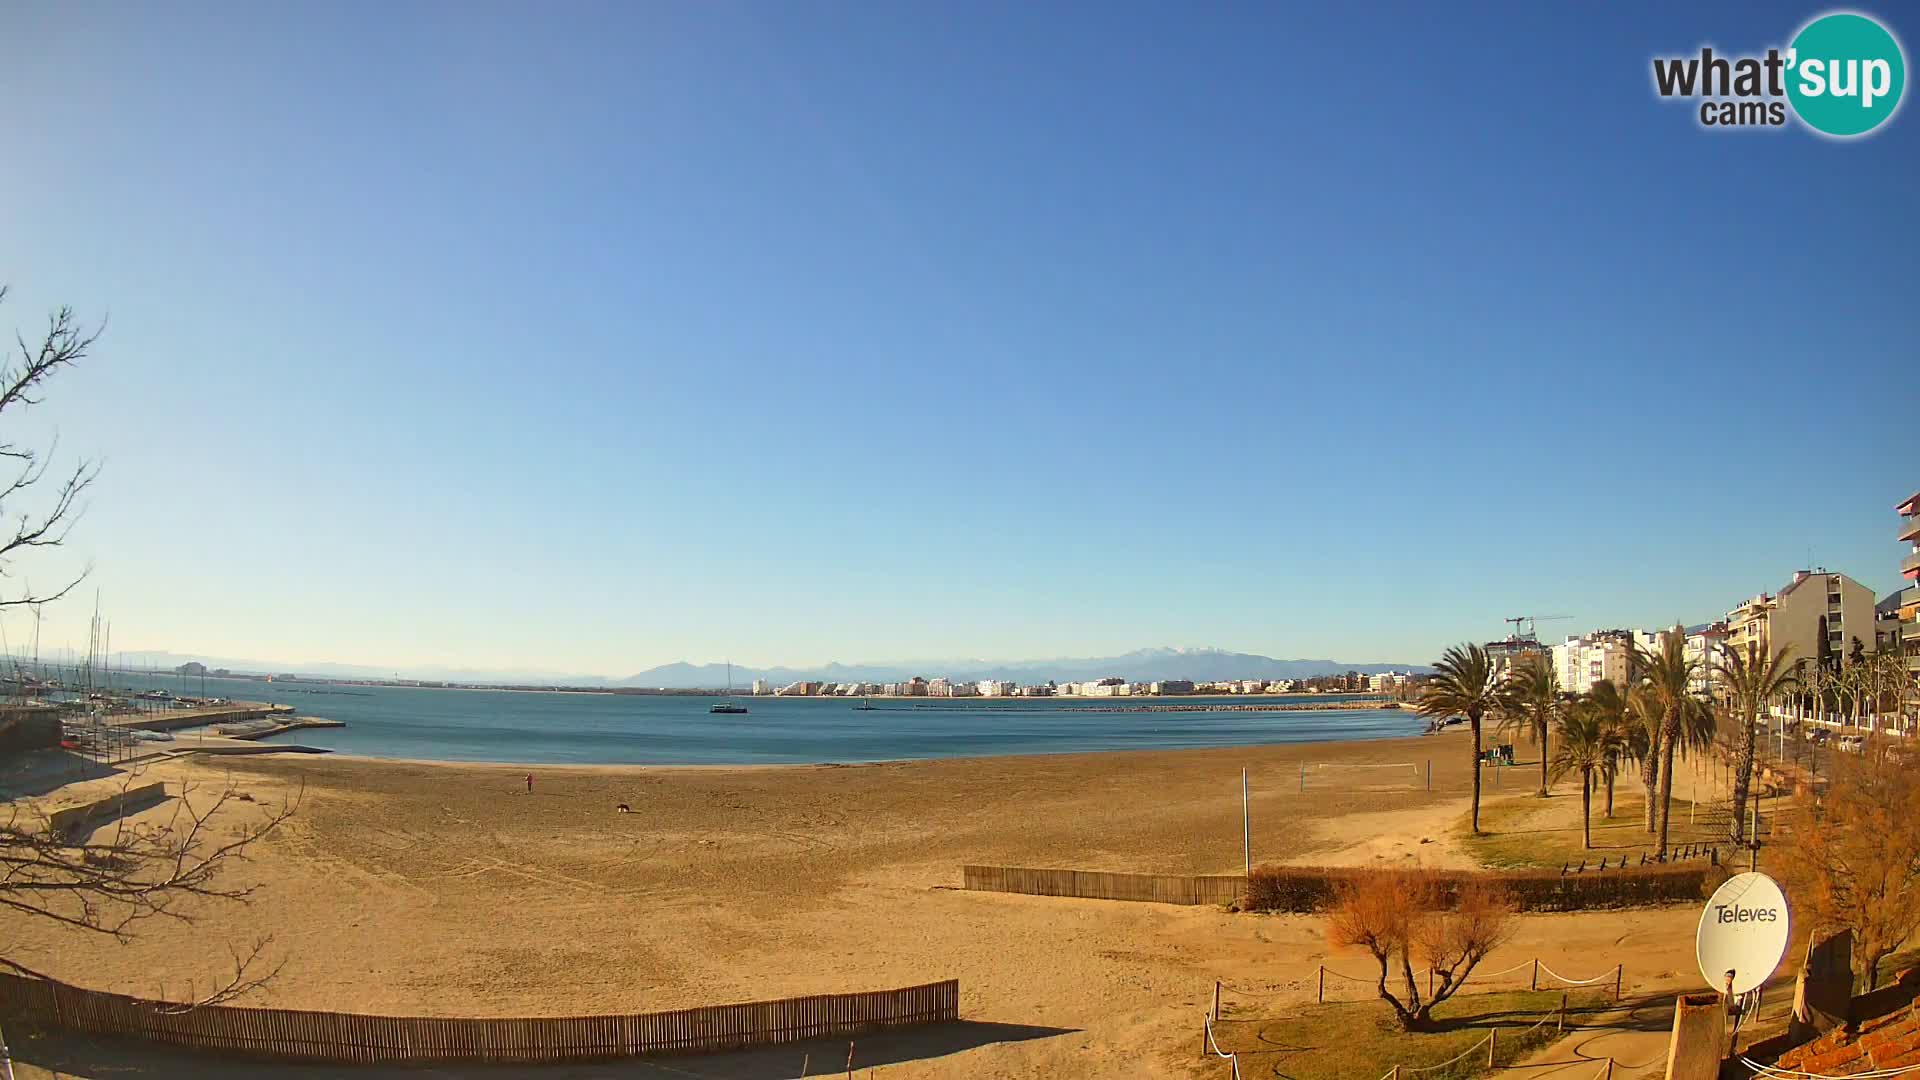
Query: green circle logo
[{"x": 1846, "y": 74}]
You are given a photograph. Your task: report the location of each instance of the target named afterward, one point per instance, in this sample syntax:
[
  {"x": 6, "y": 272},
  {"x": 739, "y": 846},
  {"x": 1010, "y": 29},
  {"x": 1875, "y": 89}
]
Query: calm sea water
[{"x": 543, "y": 728}]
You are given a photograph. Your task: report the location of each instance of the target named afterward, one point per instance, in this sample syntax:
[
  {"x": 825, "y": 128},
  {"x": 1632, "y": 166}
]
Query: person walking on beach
[{"x": 529, "y": 783}]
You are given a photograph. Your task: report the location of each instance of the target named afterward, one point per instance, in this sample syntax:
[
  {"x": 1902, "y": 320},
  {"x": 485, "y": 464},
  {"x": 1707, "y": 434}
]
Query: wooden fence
[
  {"x": 1096, "y": 885},
  {"x": 349, "y": 1037}
]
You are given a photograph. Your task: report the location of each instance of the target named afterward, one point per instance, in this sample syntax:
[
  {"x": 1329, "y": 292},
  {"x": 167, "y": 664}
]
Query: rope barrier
[
  {"x": 1232, "y": 1059},
  {"x": 1504, "y": 971},
  {"x": 1576, "y": 982},
  {"x": 1462, "y": 1054},
  {"x": 1491, "y": 1041},
  {"x": 1284, "y": 988},
  {"x": 1301, "y": 983}
]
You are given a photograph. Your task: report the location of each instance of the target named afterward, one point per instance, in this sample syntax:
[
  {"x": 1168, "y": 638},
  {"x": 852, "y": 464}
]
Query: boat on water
[
  {"x": 866, "y": 705},
  {"x": 729, "y": 706}
]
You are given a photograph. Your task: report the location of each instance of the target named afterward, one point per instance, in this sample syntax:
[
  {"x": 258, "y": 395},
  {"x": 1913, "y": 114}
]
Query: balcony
[
  {"x": 1911, "y": 631},
  {"x": 1910, "y": 529},
  {"x": 1910, "y": 565}
]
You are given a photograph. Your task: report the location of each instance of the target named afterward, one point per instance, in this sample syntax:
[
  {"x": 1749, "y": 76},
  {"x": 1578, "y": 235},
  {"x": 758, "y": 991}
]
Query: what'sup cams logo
[{"x": 1843, "y": 75}]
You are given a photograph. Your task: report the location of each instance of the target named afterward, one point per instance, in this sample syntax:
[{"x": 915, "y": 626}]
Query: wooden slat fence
[
  {"x": 363, "y": 1039},
  {"x": 1098, "y": 885}
]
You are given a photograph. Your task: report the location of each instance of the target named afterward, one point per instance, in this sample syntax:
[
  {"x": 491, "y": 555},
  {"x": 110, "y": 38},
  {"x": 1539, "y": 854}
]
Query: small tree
[
  {"x": 1404, "y": 917},
  {"x": 1855, "y": 856}
]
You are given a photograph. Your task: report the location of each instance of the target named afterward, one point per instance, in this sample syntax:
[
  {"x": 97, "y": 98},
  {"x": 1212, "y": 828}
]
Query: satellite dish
[{"x": 1743, "y": 933}]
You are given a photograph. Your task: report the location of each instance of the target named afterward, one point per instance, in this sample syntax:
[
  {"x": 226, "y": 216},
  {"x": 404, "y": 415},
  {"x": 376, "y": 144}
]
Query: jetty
[
  {"x": 232, "y": 712},
  {"x": 267, "y": 725}
]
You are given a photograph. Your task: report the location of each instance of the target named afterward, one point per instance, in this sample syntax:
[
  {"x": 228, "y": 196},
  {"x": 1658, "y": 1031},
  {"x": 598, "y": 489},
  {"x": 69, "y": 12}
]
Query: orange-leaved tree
[{"x": 1409, "y": 917}]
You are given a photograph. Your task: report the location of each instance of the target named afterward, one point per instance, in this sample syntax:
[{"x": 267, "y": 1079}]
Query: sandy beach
[{"x": 440, "y": 889}]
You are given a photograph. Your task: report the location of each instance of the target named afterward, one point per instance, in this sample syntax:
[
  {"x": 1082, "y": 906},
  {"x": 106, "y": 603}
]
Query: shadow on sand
[
  {"x": 38, "y": 772},
  {"x": 61, "y": 1052}
]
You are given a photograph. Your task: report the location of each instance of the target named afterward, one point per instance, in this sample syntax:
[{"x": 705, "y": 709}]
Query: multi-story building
[
  {"x": 1705, "y": 644},
  {"x": 760, "y": 686},
  {"x": 1909, "y": 609},
  {"x": 1514, "y": 650},
  {"x": 1586, "y": 659},
  {"x": 1819, "y": 613}
]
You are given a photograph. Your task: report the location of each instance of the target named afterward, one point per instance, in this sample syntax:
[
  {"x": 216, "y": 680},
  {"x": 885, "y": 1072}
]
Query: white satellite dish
[{"x": 1743, "y": 933}]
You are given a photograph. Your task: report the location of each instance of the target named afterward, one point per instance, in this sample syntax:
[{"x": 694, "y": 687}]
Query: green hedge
[{"x": 1313, "y": 888}]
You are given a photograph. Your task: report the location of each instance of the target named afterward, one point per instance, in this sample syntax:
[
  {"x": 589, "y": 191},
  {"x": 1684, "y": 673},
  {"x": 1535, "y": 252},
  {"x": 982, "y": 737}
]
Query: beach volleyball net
[{"x": 1367, "y": 774}]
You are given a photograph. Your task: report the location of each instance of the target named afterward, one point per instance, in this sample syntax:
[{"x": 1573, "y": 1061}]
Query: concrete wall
[
  {"x": 1699, "y": 1038},
  {"x": 94, "y": 814},
  {"x": 28, "y": 727}
]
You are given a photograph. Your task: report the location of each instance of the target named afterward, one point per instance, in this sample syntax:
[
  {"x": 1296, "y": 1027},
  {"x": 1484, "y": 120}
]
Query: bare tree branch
[{"x": 64, "y": 344}]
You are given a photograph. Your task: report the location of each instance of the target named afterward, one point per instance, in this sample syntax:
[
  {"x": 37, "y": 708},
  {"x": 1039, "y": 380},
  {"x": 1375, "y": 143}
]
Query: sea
[{"x": 535, "y": 727}]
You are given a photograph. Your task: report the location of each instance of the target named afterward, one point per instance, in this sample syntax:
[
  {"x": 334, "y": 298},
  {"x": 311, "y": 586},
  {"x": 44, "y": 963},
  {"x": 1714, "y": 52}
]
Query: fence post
[
  {"x": 1609, "y": 1069},
  {"x": 1320, "y": 991},
  {"x": 1492, "y": 1035},
  {"x": 1562, "y": 1025},
  {"x": 1619, "y": 970},
  {"x": 1534, "y": 983},
  {"x": 1216, "y": 999}
]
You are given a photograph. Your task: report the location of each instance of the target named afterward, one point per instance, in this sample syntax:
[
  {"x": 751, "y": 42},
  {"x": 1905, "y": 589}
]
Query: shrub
[{"x": 1316, "y": 888}]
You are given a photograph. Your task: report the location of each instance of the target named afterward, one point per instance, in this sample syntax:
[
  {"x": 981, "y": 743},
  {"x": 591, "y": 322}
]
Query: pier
[
  {"x": 262, "y": 727},
  {"x": 232, "y": 713}
]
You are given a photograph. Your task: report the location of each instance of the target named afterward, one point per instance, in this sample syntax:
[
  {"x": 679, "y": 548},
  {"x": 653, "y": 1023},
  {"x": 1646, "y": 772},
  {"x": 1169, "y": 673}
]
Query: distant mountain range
[{"x": 1141, "y": 665}]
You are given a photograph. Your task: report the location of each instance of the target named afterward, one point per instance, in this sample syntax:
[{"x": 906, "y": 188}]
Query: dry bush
[
  {"x": 1412, "y": 920},
  {"x": 1854, "y": 857},
  {"x": 1317, "y": 888}
]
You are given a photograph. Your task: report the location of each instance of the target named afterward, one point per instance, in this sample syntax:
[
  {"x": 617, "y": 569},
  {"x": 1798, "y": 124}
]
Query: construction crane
[{"x": 1530, "y": 620}]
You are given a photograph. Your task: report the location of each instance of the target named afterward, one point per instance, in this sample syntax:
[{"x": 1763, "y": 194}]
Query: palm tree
[
  {"x": 1530, "y": 701},
  {"x": 1669, "y": 674},
  {"x": 1643, "y": 745},
  {"x": 1465, "y": 683},
  {"x": 1587, "y": 744},
  {"x": 1751, "y": 684},
  {"x": 1628, "y": 737}
]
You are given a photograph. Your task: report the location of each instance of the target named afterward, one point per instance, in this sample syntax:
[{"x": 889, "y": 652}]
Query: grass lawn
[
  {"x": 1529, "y": 832},
  {"x": 1360, "y": 1040}
]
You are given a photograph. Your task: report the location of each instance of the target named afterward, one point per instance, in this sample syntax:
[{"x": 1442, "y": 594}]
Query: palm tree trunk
[
  {"x": 1742, "y": 783},
  {"x": 1650, "y": 776},
  {"x": 1474, "y": 720},
  {"x": 1542, "y": 732},
  {"x": 1668, "y": 737},
  {"x": 1609, "y": 778},
  {"x": 1586, "y": 809}
]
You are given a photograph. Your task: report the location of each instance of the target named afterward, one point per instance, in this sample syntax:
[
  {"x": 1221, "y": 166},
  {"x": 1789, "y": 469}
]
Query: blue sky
[{"x": 594, "y": 337}]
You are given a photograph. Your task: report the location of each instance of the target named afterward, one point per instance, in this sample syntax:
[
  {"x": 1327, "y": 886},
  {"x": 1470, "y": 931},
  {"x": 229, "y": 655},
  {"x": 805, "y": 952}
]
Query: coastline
[
  {"x": 1342, "y": 747},
  {"x": 440, "y": 888}
]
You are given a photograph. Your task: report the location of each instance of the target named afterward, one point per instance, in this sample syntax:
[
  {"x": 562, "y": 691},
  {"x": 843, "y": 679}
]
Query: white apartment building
[
  {"x": 1817, "y": 613},
  {"x": 1585, "y": 659},
  {"x": 761, "y": 688},
  {"x": 995, "y": 688}
]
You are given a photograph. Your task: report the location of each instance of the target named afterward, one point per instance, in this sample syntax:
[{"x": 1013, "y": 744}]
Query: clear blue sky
[{"x": 590, "y": 337}]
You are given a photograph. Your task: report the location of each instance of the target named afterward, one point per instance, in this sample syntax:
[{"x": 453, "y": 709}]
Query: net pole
[{"x": 1246, "y": 826}]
